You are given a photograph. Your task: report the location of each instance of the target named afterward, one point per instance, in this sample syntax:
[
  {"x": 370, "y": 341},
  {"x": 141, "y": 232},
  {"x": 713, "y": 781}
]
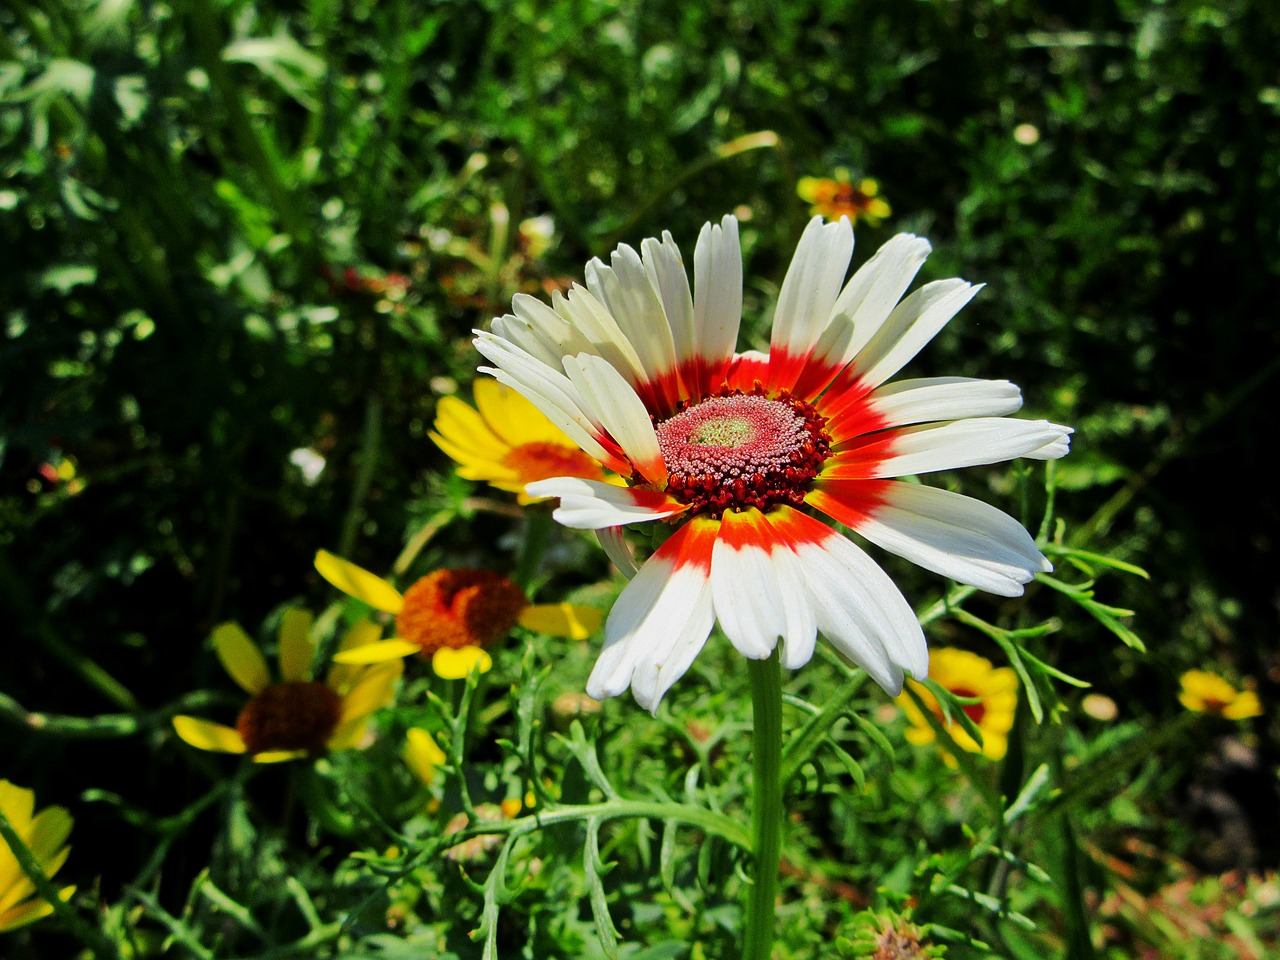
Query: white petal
[
  {"x": 626, "y": 290},
  {"x": 968, "y": 443},
  {"x": 613, "y": 404},
  {"x": 913, "y": 323},
  {"x": 717, "y": 289},
  {"x": 957, "y": 536},
  {"x": 615, "y": 545},
  {"x": 1056, "y": 448},
  {"x": 665, "y": 269},
  {"x": 943, "y": 398},
  {"x": 592, "y": 505},
  {"x": 522, "y": 334},
  {"x": 547, "y": 389},
  {"x": 811, "y": 286},
  {"x": 862, "y": 612},
  {"x": 801, "y": 625},
  {"x": 586, "y": 320},
  {"x": 869, "y": 296},
  {"x": 655, "y": 630},
  {"x": 747, "y": 597}
]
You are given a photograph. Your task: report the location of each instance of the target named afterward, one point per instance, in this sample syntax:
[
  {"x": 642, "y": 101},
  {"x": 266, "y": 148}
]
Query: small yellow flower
[
  {"x": 45, "y": 834},
  {"x": 451, "y": 616},
  {"x": 1205, "y": 692},
  {"x": 841, "y": 197},
  {"x": 422, "y": 754},
  {"x": 506, "y": 441},
  {"x": 967, "y": 675},
  {"x": 297, "y": 716}
]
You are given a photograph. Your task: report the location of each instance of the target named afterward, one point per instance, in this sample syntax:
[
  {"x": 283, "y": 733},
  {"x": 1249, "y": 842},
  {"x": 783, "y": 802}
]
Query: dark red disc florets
[{"x": 739, "y": 450}]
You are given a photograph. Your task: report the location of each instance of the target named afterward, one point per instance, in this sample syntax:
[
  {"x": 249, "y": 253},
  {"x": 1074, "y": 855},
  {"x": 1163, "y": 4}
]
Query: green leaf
[{"x": 595, "y": 868}]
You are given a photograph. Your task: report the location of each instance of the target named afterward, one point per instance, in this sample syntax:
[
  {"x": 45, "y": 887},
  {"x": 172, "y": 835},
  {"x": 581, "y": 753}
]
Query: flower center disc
[
  {"x": 296, "y": 715},
  {"x": 742, "y": 450},
  {"x": 459, "y": 608}
]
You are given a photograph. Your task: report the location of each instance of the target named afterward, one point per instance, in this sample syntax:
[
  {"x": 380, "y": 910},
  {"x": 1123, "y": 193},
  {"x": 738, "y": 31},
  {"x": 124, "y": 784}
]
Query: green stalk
[
  {"x": 537, "y": 535},
  {"x": 766, "y": 805}
]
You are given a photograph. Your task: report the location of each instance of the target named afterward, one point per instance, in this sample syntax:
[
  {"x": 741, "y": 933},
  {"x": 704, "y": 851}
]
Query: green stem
[
  {"x": 766, "y": 805},
  {"x": 367, "y": 459},
  {"x": 537, "y": 534}
]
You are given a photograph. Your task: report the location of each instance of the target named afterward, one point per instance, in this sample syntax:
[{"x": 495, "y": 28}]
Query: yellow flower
[
  {"x": 840, "y": 197},
  {"x": 297, "y": 716},
  {"x": 507, "y": 442},
  {"x": 1205, "y": 692},
  {"x": 422, "y": 754},
  {"x": 969, "y": 676},
  {"x": 45, "y": 834},
  {"x": 451, "y": 616}
]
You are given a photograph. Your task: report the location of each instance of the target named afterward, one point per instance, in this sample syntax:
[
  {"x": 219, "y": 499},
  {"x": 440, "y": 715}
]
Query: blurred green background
[{"x": 233, "y": 231}]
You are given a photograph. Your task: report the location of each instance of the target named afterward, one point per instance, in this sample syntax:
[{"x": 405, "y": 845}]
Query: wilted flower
[
  {"x": 1206, "y": 692},
  {"x": 506, "y": 441},
  {"x": 451, "y": 616},
  {"x": 968, "y": 676},
  {"x": 45, "y": 835},
  {"x": 734, "y": 450},
  {"x": 839, "y": 196},
  {"x": 296, "y": 716}
]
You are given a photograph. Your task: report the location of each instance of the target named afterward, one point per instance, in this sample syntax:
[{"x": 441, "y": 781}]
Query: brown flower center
[
  {"x": 740, "y": 450},
  {"x": 541, "y": 461},
  {"x": 459, "y": 608},
  {"x": 297, "y": 715}
]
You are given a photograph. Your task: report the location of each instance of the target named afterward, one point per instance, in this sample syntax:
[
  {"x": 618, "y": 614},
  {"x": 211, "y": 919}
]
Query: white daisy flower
[{"x": 740, "y": 451}]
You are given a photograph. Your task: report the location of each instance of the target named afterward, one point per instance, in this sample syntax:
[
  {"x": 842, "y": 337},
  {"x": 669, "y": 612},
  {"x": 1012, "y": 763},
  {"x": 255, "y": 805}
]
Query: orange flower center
[
  {"x": 542, "y": 461},
  {"x": 298, "y": 715},
  {"x": 850, "y": 197},
  {"x": 459, "y": 608}
]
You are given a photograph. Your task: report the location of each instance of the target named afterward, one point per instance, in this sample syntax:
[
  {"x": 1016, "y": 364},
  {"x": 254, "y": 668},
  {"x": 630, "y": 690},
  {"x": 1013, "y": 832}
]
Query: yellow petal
[
  {"x": 49, "y": 831},
  {"x": 296, "y": 648},
  {"x": 375, "y": 689},
  {"x": 562, "y": 620},
  {"x": 349, "y": 735},
  {"x": 807, "y": 188},
  {"x": 1245, "y": 705},
  {"x": 18, "y": 886},
  {"x": 462, "y": 426},
  {"x": 278, "y": 756},
  {"x": 454, "y": 664},
  {"x": 358, "y": 582},
  {"x": 378, "y": 652},
  {"x": 360, "y": 634},
  {"x": 18, "y": 804},
  {"x": 240, "y": 657},
  {"x": 205, "y": 735},
  {"x": 513, "y": 418},
  {"x": 24, "y": 913},
  {"x": 422, "y": 754}
]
